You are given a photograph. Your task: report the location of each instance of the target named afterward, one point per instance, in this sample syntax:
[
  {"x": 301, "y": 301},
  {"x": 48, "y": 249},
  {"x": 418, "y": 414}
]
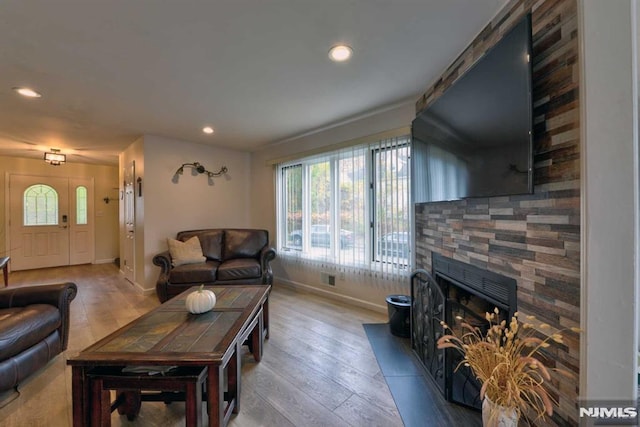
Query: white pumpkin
[{"x": 200, "y": 301}]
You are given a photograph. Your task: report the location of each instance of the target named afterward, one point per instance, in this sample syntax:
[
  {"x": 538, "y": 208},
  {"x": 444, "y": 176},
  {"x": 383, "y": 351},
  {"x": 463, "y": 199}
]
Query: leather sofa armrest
[
  {"x": 59, "y": 295},
  {"x": 267, "y": 255},
  {"x": 163, "y": 260}
]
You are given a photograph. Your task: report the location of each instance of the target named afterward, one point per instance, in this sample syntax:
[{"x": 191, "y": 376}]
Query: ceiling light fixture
[
  {"x": 207, "y": 130},
  {"x": 54, "y": 158},
  {"x": 27, "y": 92},
  {"x": 340, "y": 53}
]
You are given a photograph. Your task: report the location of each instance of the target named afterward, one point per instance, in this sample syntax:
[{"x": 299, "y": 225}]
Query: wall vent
[{"x": 328, "y": 279}]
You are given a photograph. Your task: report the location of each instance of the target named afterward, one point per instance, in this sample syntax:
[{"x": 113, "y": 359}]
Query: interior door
[
  {"x": 38, "y": 221},
  {"x": 128, "y": 261}
]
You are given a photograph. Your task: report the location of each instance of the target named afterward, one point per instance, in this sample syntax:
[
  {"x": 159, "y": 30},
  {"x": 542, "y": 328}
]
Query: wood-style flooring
[{"x": 318, "y": 368}]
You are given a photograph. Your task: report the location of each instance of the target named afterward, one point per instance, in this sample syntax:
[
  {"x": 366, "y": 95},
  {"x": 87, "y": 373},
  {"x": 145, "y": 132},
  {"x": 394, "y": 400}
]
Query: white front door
[{"x": 50, "y": 221}]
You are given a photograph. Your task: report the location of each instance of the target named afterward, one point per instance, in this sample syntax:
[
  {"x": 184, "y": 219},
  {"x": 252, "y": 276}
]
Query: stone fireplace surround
[{"x": 532, "y": 238}]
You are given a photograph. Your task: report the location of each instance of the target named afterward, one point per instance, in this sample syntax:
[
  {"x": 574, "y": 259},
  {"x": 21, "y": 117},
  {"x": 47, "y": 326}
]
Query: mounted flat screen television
[{"x": 475, "y": 140}]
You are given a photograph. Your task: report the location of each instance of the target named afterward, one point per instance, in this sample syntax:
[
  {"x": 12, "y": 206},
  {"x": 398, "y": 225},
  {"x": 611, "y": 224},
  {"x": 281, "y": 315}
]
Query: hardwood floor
[{"x": 318, "y": 368}]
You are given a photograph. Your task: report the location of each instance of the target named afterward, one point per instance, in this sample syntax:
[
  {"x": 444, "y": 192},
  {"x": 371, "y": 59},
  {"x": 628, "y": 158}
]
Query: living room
[{"x": 246, "y": 197}]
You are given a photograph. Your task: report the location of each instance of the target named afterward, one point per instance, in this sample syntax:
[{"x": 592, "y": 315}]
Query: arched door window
[
  {"x": 81, "y": 205},
  {"x": 40, "y": 205}
]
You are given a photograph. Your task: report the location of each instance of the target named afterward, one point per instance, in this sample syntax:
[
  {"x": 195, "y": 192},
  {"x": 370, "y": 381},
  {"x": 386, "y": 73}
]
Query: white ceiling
[{"x": 256, "y": 70}]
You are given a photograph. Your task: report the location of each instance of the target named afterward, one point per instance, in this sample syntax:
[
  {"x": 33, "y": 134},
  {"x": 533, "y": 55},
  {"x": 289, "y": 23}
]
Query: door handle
[{"x": 63, "y": 226}]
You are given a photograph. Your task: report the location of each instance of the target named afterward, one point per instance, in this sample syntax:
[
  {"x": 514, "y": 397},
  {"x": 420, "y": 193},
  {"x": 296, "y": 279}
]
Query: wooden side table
[{"x": 4, "y": 264}]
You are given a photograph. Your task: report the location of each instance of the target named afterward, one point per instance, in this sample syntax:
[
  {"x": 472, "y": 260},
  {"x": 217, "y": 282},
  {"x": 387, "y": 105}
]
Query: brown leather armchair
[{"x": 34, "y": 328}]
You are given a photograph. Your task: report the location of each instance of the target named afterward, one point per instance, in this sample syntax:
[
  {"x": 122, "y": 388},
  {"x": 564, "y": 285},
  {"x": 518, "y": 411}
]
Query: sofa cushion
[
  {"x": 204, "y": 272},
  {"x": 240, "y": 268},
  {"x": 210, "y": 241},
  {"x": 23, "y": 327},
  {"x": 187, "y": 252},
  {"x": 244, "y": 243}
]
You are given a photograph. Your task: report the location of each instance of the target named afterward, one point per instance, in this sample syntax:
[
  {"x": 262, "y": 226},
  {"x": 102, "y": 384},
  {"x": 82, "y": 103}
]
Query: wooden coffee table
[{"x": 171, "y": 336}]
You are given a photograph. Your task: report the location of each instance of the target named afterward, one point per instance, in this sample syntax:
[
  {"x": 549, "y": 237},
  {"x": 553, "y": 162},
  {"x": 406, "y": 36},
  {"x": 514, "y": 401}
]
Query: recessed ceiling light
[
  {"x": 25, "y": 91},
  {"x": 340, "y": 53},
  {"x": 207, "y": 129}
]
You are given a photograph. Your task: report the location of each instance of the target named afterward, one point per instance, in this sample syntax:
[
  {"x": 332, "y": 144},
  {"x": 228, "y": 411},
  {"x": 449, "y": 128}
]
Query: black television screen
[{"x": 475, "y": 140}]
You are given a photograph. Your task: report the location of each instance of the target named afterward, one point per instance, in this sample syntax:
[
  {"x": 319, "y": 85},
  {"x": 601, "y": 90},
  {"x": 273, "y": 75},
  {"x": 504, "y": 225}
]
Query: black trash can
[{"x": 399, "y": 308}]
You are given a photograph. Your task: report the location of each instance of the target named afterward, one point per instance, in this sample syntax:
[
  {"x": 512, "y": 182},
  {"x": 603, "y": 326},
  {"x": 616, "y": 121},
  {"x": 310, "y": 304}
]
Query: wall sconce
[
  {"x": 54, "y": 158},
  {"x": 200, "y": 169}
]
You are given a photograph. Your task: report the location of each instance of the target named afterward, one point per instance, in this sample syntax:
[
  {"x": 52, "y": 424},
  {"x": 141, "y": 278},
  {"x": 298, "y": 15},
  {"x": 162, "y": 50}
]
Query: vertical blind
[{"x": 348, "y": 209}]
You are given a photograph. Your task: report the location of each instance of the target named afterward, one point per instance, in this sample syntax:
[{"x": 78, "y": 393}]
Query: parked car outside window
[
  {"x": 394, "y": 245},
  {"x": 321, "y": 237}
]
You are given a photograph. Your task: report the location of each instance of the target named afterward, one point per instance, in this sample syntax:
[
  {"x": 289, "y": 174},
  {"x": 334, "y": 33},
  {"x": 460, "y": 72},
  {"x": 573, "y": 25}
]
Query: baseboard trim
[
  {"x": 105, "y": 261},
  {"x": 329, "y": 294},
  {"x": 146, "y": 291},
  {"x": 137, "y": 286}
]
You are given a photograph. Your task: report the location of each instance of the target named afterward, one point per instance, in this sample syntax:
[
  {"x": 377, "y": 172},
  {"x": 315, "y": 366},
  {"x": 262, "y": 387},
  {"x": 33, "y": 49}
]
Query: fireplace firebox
[{"x": 454, "y": 290}]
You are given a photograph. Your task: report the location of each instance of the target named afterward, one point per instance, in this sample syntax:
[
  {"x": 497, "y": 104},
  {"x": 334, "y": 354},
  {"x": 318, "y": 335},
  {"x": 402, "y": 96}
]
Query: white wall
[
  {"x": 367, "y": 291},
  {"x": 192, "y": 202},
  {"x": 105, "y": 180},
  {"x": 609, "y": 292}
]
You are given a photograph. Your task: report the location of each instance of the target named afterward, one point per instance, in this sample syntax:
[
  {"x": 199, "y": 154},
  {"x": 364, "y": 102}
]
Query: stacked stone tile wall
[{"x": 533, "y": 238}]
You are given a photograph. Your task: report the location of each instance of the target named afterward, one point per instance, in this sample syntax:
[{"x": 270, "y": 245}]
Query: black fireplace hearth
[{"x": 454, "y": 290}]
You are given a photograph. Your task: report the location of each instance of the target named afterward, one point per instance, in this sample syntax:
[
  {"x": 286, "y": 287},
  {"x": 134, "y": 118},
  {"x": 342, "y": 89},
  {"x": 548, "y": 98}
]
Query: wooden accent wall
[{"x": 532, "y": 238}]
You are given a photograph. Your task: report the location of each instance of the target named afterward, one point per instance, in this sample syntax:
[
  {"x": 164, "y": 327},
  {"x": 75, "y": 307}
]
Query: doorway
[
  {"x": 127, "y": 264},
  {"x": 50, "y": 221}
]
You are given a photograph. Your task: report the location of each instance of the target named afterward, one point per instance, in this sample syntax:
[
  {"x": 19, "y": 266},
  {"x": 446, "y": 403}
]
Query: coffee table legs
[
  {"x": 257, "y": 338},
  {"x": 265, "y": 315},
  {"x": 233, "y": 379},
  {"x": 100, "y": 405},
  {"x": 81, "y": 395},
  {"x": 215, "y": 395},
  {"x": 219, "y": 412},
  {"x": 193, "y": 409}
]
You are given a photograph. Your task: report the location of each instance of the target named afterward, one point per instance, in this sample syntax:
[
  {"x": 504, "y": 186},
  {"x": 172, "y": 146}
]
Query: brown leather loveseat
[
  {"x": 230, "y": 256},
  {"x": 34, "y": 328}
]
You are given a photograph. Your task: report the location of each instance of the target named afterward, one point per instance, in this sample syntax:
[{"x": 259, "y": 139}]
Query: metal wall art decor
[{"x": 199, "y": 168}]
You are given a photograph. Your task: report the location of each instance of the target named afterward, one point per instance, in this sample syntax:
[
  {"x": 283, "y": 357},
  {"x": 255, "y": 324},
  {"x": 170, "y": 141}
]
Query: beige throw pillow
[{"x": 189, "y": 252}]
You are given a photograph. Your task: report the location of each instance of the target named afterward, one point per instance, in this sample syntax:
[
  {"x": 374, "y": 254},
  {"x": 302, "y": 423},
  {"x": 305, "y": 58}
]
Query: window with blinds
[{"x": 348, "y": 207}]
